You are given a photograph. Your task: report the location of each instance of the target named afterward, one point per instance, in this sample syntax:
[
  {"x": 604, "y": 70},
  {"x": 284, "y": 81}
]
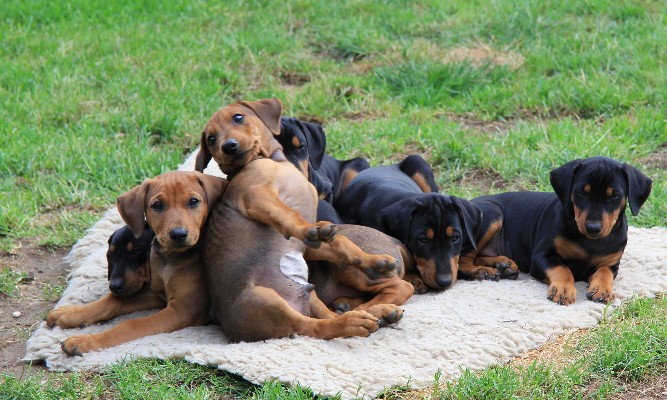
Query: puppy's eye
[
  {"x": 580, "y": 193},
  {"x": 157, "y": 205},
  {"x": 211, "y": 140},
  {"x": 614, "y": 195},
  {"x": 194, "y": 202},
  {"x": 237, "y": 118},
  {"x": 455, "y": 239},
  {"x": 422, "y": 239}
]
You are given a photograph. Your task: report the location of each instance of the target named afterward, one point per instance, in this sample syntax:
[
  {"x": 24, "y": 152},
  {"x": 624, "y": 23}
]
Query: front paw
[
  {"x": 386, "y": 313},
  {"x": 600, "y": 293},
  {"x": 486, "y": 274},
  {"x": 380, "y": 264},
  {"x": 77, "y": 345},
  {"x": 71, "y": 316},
  {"x": 562, "y": 293},
  {"x": 508, "y": 270}
]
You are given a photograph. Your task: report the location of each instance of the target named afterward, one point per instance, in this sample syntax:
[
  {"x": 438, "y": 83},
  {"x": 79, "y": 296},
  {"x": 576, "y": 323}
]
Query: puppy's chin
[
  {"x": 169, "y": 246},
  {"x": 231, "y": 164}
]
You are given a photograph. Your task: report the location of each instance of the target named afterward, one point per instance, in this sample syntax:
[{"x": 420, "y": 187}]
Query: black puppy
[
  {"x": 304, "y": 144},
  {"x": 577, "y": 233},
  {"x": 128, "y": 261},
  {"x": 431, "y": 225}
]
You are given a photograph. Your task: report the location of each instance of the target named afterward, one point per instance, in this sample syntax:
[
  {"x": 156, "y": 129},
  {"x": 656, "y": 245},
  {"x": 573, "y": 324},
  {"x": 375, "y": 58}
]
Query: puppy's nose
[
  {"x": 178, "y": 235},
  {"x": 593, "y": 227},
  {"x": 116, "y": 285},
  {"x": 230, "y": 147},
  {"x": 443, "y": 281}
]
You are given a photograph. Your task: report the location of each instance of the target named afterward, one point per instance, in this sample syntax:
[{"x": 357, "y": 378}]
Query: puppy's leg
[
  {"x": 388, "y": 295},
  {"x": 109, "y": 306},
  {"x": 599, "y": 288},
  {"x": 263, "y": 204},
  {"x": 168, "y": 319},
  {"x": 260, "y": 314},
  {"x": 490, "y": 268},
  {"x": 341, "y": 250},
  {"x": 561, "y": 285}
]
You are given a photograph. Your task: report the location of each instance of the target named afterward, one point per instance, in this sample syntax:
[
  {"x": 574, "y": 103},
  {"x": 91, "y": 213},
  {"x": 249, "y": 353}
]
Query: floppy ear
[
  {"x": 131, "y": 207},
  {"x": 317, "y": 142},
  {"x": 214, "y": 187},
  {"x": 204, "y": 155},
  {"x": 639, "y": 187},
  {"x": 269, "y": 111},
  {"x": 561, "y": 179},
  {"x": 397, "y": 218},
  {"x": 470, "y": 215}
]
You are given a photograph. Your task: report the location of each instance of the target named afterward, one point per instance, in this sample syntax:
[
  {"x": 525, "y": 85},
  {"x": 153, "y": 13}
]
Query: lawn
[{"x": 95, "y": 96}]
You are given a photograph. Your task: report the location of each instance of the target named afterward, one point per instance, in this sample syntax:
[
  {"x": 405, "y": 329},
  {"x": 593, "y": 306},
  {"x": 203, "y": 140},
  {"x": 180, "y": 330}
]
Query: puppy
[
  {"x": 175, "y": 206},
  {"x": 432, "y": 226},
  {"x": 258, "y": 234},
  {"x": 127, "y": 261},
  {"x": 304, "y": 145},
  {"x": 577, "y": 233}
]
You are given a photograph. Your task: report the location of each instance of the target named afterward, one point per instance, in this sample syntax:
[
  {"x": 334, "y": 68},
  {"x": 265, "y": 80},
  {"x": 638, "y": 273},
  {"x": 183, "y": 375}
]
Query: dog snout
[
  {"x": 178, "y": 235},
  {"x": 230, "y": 147},
  {"x": 116, "y": 285},
  {"x": 593, "y": 227},
  {"x": 443, "y": 281}
]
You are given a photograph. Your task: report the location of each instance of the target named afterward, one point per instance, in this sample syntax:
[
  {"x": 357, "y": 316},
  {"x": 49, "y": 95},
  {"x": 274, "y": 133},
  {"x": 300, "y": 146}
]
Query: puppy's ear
[
  {"x": 470, "y": 215},
  {"x": 269, "y": 111},
  {"x": 639, "y": 187},
  {"x": 397, "y": 218},
  {"x": 214, "y": 187},
  {"x": 561, "y": 179},
  {"x": 131, "y": 207},
  {"x": 317, "y": 142},
  {"x": 204, "y": 155}
]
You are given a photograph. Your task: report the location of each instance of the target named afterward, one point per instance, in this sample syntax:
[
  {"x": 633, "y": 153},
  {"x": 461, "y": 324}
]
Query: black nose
[
  {"x": 593, "y": 227},
  {"x": 116, "y": 285},
  {"x": 230, "y": 147},
  {"x": 178, "y": 234},
  {"x": 443, "y": 281}
]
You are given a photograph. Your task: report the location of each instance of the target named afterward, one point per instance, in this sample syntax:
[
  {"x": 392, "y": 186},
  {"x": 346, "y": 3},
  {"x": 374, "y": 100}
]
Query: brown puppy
[
  {"x": 270, "y": 208},
  {"x": 175, "y": 206}
]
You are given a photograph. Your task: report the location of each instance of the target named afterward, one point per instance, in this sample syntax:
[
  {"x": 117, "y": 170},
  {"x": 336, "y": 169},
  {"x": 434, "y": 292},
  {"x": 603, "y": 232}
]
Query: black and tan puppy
[
  {"x": 577, "y": 233},
  {"x": 175, "y": 206},
  {"x": 432, "y": 226},
  {"x": 260, "y": 232},
  {"x": 128, "y": 261},
  {"x": 304, "y": 145}
]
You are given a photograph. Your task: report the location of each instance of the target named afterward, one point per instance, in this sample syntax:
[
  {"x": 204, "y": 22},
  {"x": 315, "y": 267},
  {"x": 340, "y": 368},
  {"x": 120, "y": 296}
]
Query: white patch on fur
[{"x": 294, "y": 267}]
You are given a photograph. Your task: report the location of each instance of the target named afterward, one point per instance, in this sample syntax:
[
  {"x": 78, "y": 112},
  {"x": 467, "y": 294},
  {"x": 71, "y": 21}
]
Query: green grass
[
  {"x": 97, "y": 95},
  {"x": 9, "y": 281}
]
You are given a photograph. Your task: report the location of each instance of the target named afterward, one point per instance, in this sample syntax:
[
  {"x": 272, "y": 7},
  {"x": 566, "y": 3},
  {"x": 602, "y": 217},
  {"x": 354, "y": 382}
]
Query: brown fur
[
  {"x": 268, "y": 201},
  {"x": 561, "y": 285},
  {"x": 177, "y": 284}
]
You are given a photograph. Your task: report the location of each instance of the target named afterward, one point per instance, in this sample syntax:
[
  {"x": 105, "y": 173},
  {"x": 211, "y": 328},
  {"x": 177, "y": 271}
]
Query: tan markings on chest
[{"x": 569, "y": 250}]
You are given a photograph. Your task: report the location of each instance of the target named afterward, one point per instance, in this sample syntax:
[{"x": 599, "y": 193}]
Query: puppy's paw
[
  {"x": 358, "y": 323},
  {"x": 386, "y": 313},
  {"x": 563, "y": 293},
  {"x": 77, "y": 345},
  {"x": 508, "y": 269},
  {"x": 322, "y": 231},
  {"x": 71, "y": 316},
  {"x": 486, "y": 274},
  {"x": 600, "y": 293}
]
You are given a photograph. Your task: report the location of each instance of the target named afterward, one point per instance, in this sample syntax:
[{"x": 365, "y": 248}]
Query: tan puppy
[
  {"x": 256, "y": 274},
  {"x": 175, "y": 206}
]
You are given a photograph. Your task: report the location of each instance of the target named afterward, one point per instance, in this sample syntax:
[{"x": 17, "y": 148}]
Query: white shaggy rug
[{"x": 472, "y": 325}]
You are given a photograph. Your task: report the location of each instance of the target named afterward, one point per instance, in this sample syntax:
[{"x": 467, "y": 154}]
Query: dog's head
[
  {"x": 174, "y": 205},
  {"x": 433, "y": 227},
  {"x": 128, "y": 261},
  {"x": 594, "y": 191},
  {"x": 240, "y": 133},
  {"x": 303, "y": 143}
]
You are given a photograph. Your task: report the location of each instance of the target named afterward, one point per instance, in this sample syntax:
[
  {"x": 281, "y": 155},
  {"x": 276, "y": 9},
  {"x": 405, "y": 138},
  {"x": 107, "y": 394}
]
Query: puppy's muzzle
[
  {"x": 178, "y": 235},
  {"x": 230, "y": 147}
]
